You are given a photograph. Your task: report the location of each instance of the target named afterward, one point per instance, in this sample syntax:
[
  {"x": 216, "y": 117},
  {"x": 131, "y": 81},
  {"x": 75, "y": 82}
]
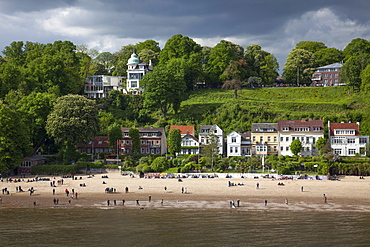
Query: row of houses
[{"x": 263, "y": 139}]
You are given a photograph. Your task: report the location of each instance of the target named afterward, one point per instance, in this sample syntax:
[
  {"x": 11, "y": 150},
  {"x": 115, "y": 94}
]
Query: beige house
[{"x": 264, "y": 139}]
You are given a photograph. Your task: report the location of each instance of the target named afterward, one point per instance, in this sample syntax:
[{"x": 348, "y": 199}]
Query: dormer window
[{"x": 285, "y": 128}]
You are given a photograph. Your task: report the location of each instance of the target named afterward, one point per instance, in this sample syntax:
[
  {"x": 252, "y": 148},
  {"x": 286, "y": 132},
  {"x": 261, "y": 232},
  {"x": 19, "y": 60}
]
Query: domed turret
[{"x": 133, "y": 59}]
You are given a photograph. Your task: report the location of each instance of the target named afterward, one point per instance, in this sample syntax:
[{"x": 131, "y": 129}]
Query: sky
[{"x": 107, "y": 25}]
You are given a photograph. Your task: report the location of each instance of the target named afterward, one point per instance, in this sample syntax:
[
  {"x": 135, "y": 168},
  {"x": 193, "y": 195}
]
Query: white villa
[
  {"x": 238, "y": 144},
  {"x": 206, "y": 130},
  {"x": 189, "y": 143},
  {"x": 345, "y": 139},
  {"x": 307, "y": 131},
  {"x": 135, "y": 72}
]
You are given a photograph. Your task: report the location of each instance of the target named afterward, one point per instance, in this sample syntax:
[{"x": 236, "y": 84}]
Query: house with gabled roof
[
  {"x": 238, "y": 144},
  {"x": 189, "y": 143},
  {"x": 328, "y": 75},
  {"x": 345, "y": 139},
  {"x": 184, "y": 129},
  {"x": 264, "y": 138},
  {"x": 206, "y": 130},
  {"x": 308, "y": 131}
]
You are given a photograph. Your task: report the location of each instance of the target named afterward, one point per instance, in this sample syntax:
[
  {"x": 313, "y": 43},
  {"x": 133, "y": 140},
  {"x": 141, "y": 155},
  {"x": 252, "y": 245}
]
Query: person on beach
[
  {"x": 76, "y": 195},
  {"x": 162, "y": 202},
  {"x": 137, "y": 202},
  {"x": 165, "y": 189},
  {"x": 150, "y": 198},
  {"x": 238, "y": 203},
  {"x": 325, "y": 199},
  {"x": 53, "y": 191},
  {"x": 123, "y": 202},
  {"x": 302, "y": 189},
  {"x": 257, "y": 186},
  {"x": 115, "y": 202},
  {"x": 286, "y": 201},
  {"x": 108, "y": 202},
  {"x": 265, "y": 202},
  {"x": 126, "y": 189}
]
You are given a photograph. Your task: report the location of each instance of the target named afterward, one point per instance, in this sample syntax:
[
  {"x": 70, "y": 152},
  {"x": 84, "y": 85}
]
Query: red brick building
[{"x": 327, "y": 75}]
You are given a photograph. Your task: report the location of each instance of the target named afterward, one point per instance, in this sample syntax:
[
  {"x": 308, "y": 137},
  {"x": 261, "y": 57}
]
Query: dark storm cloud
[{"x": 277, "y": 25}]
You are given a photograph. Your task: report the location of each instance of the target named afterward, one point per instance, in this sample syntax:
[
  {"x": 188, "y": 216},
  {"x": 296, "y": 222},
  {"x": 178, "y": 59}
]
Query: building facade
[
  {"x": 206, "y": 130},
  {"x": 345, "y": 139},
  {"x": 136, "y": 69},
  {"x": 100, "y": 144},
  {"x": 152, "y": 141},
  {"x": 189, "y": 143},
  {"x": 265, "y": 139},
  {"x": 98, "y": 86},
  {"x": 307, "y": 131},
  {"x": 238, "y": 144},
  {"x": 327, "y": 75}
]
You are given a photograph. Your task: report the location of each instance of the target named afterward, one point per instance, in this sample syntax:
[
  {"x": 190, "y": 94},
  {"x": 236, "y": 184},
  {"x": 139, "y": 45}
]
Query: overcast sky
[{"x": 107, "y": 25}]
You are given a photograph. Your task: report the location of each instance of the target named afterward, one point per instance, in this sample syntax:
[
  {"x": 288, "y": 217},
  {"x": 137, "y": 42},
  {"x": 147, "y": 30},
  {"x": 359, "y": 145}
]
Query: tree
[
  {"x": 328, "y": 56},
  {"x": 14, "y": 139},
  {"x": 159, "y": 164},
  {"x": 352, "y": 68},
  {"x": 311, "y": 46},
  {"x": 320, "y": 143},
  {"x": 299, "y": 67},
  {"x": 135, "y": 139},
  {"x": 114, "y": 136},
  {"x": 365, "y": 79},
  {"x": 355, "y": 47},
  {"x": 163, "y": 88},
  {"x": 174, "y": 142},
  {"x": 106, "y": 62},
  {"x": 211, "y": 148},
  {"x": 296, "y": 146},
  {"x": 74, "y": 119},
  {"x": 34, "y": 109}
]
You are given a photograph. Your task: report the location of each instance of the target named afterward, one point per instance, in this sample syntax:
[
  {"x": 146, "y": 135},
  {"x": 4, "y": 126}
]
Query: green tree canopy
[
  {"x": 174, "y": 142},
  {"x": 296, "y": 146},
  {"x": 311, "y": 46},
  {"x": 211, "y": 149},
  {"x": 159, "y": 164},
  {"x": 114, "y": 135},
  {"x": 14, "y": 139},
  {"x": 135, "y": 139},
  {"x": 164, "y": 88},
  {"x": 299, "y": 67},
  {"x": 74, "y": 119}
]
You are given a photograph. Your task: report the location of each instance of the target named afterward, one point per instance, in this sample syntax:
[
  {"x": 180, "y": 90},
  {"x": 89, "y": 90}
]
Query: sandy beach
[{"x": 350, "y": 194}]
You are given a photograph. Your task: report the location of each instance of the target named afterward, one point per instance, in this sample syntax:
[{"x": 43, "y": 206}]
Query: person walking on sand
[
  {"x": 123, "y": 202},
  {"x": 257, "y": 186},
  {"x": 162, "y": 202},
  {"x": 165, "y": 189},
  {"x": 325, "y": 199},
  {"x": 265, "y": 202},
  {"x": 150, "y": 198},
  {"x": 137, "y": 202},
  {"x": 302, "y": 189},
  {"x": 286, "y": 201},
  {"x": 108, "y": 202}
]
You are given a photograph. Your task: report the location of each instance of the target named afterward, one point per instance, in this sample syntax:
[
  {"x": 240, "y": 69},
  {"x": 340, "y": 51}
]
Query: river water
[{"x": 180, "y": 227}]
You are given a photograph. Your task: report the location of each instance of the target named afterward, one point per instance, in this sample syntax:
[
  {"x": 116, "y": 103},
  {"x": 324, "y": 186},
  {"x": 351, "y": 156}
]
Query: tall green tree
[
  {"x": 73, "y": 119},
  {"x": 159, "y": 164},
  {"x": 296, "y": 146},
  {"x": 311, "y": 46},
  {"x": 114, "y": 136},
  {"x": 14, "y": 139},
  {"x": 135, "y": 139},
  {"x": 163, "y": 88},
  {"x": 328, "y": 56},
  {"x": 174, "y": 142},
  {"x": 231, "y": 77},
  {"x": 299, "y": 67}
]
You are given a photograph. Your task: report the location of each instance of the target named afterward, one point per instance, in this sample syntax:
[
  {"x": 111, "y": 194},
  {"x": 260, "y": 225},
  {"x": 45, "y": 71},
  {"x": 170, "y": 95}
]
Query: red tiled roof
[
  {"x": 308, "y": 123},
  {"x": 347, "y": 126},
  {"x": 184, "y": 129}
]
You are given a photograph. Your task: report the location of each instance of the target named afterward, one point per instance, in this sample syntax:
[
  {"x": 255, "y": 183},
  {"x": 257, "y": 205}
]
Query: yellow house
[{"x": 265, "y": 139}]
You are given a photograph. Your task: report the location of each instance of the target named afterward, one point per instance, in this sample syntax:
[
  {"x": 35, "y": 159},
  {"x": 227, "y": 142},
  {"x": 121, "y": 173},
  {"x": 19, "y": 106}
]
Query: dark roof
[
  {"x": 264, "y": 127},
  {"x": 304, "y": 123}
]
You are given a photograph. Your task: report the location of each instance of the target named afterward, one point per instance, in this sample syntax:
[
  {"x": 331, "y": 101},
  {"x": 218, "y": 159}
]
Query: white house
[
  {"x": 238, "y": 144},
  {"x": 345, "y": 139},
  {"x": 189, "y": 144},
  {"x": 307, "y": 131},
  {"x": 135, "y": 72},
  {"x": 206, "y": 130},
  {"x": 98, "y": 86}
]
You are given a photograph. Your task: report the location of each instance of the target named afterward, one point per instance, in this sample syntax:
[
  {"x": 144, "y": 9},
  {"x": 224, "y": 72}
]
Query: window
[
  {"x": 285, "y": 128},
  {"x": 233, "y": 139},
  {"x": 274, "y": 148},
  {"x": 142, "y": 150},
  {"x": 287, "y": 148},
  {"x": 157, "y": 151},
  {"x": 268, "y": 138},
  {"x": 351, "y": 151},
  {"x": 275, "y": 139},
  {"x": 313, "y": 140},
  {"x": 314, "y": 149},
  {"x": 231, "y": 150},
  {"x": 307, "y": 149},
  {"x": 254, "y": 138},
  {"x": 287, "y": 138},
  {"x": 128, "y": 142},
  {"x": 363, "y": 140},
  {"x": 281, "y": 148},
  {"x": 338, "y": 151},
  {"x": 261, "y": 138},
  {"x": 147, "y": 150},
  {"x": 281, "y": 139},
  {"x": 268, "y": 149},
  {"x": 293, "y": 138},
  {"x": 261, "y": 148},
  {"x": 344, "y": 132},
  {"x": 134, "y": 84},
  {"x": 351, "y": 140},
  {"x": 236, "y": 149},
  {"x": 307, "y": 140},
  {"x": 302, "y": 139}
]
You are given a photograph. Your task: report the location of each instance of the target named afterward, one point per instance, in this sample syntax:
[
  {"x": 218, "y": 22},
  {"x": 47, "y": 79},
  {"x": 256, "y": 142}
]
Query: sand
[{"x": 350, "y": 194}]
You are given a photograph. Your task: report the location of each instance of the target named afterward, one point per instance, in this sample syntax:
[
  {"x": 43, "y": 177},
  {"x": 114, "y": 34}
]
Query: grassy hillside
[{"x": 217, "y": 106}]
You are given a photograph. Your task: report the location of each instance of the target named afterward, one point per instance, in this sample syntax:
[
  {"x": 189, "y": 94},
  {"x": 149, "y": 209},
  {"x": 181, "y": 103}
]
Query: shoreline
[{"x": 350, "y": 194}]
